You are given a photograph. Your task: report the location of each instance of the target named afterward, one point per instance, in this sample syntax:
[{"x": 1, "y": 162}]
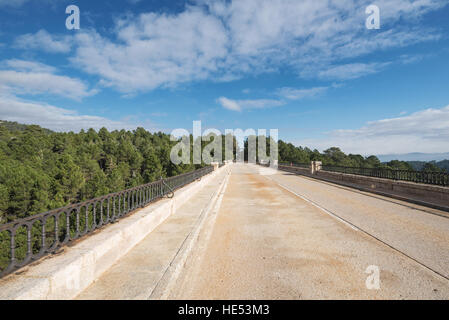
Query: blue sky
[{"x": 308, "y": 68}]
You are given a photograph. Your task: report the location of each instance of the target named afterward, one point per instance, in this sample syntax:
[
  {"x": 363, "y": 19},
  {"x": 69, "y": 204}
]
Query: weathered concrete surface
[
  {"x": 419, "y": 193},
  {"x": 268, "y": 243},
  {"x": 420, "y": 232},
  {"x": 65, "y": 275},
  {"x": 137, "y": 274}
]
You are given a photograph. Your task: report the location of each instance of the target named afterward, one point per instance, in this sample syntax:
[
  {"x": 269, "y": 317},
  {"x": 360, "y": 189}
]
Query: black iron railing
[
  {"x": 26, "y": 240},
  {"x": 295, "y": 164},
  {"x": 434, "y": 178}
]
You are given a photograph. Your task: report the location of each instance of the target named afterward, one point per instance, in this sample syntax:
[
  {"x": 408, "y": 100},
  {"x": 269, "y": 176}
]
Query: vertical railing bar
[
  {"x": 56, "y": 231},
  {"x": 87, "y": 218},
  {"x": 128, "y": 201},
  {"x": 13, "y": 247},
  {"x": 29, "y": 240},
  {"x": 44, "y": 246},
  {"x": 67, "y": 218},
  {"x": 77, "y": 222}
]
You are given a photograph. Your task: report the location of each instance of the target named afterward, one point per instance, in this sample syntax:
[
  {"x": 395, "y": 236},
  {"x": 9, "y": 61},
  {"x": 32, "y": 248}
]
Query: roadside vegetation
[
  {"x": 335, "y": 157},
  {"x": 41, "y": 170}
]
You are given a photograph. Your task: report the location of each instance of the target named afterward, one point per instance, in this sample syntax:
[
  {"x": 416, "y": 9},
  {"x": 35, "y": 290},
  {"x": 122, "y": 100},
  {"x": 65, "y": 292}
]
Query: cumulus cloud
[
  {"x": 227, "y": 40},
  {"x": 351, "y": 70},
  {"x": 26, "y": 65},
  {"x": 12, "y": 3},
  {"x": 230, "y": 39},
  {"x": 155, "y": 50},
  {"x": 15, "y": 4},
  {"x": 44, "y": 41},
  {"x": 239, "y": 105},
  {"x": 298, "y": 94},
  {"x": 426, "y": 131},
  {"x": 284, "y": 94},
  {"x": 54, "y": 118},
  {"x": 21, "y": 77},
  {"x": 229, "y": 104}
]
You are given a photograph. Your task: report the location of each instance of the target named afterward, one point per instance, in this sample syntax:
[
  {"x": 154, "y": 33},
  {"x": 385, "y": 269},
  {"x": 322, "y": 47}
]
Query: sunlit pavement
[{"x": 283, "y": 236}]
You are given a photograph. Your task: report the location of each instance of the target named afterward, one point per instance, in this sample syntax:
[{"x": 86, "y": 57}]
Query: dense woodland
[
  {"x": 437, "y": 165},
  {"x": 335, "y": 157},
  {"x": 42, "y": 170}
]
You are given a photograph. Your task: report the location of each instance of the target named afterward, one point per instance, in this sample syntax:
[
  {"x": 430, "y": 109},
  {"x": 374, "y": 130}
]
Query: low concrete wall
[
  {"x": 423, "y": 194},
  {"x": 429, "y": 195},
  {"x": 65, "y": 275},
  {"x": 297, "y": 170}
]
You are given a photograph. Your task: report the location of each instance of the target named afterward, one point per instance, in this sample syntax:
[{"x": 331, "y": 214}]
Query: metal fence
[
  {"x": 434, "y": 178},
  {"x": 295, "y": 164},
  {"x": 26, "y": 240}
]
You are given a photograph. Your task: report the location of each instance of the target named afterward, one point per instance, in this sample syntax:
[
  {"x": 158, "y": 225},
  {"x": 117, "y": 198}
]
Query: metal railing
[
  {"x": 26, "y": 240},
  {"x": 295, "y": 164},
  {"x": 433, "y": 178}
]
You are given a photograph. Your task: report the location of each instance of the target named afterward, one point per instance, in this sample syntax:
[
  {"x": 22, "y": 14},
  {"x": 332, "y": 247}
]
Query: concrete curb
[
  {"x": 65, "y": 275},
  {"x": 168, "y": 280}
]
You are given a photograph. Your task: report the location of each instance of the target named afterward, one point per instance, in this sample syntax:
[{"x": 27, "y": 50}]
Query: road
[{"x": 282, "y": 236}]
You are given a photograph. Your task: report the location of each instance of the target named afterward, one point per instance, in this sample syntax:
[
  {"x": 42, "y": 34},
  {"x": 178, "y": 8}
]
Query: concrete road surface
[{"x": 283, "y": 236}]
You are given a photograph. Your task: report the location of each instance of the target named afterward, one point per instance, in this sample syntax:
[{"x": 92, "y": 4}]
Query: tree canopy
[{"x": 42, "y": 170}]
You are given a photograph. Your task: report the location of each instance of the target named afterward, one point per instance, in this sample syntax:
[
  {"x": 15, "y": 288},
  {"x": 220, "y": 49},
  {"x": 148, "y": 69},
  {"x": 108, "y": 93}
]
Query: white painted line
[{"x": 316, "y": 205}]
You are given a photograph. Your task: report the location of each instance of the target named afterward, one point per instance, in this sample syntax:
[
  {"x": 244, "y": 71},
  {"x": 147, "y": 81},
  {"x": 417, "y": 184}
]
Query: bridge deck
[
  {"x": 283, "y": 236},
  {"x": 137, "y": 274},
  {"x": 268, "y": 243}
]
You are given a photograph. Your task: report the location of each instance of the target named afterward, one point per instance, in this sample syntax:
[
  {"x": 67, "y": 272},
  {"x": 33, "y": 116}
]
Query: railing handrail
[
  {"x": 101, "y": 198},
  {"x": 385, "y": 169},
  {"x": 79, "y": 219},
  {"x": 425, "y": 177},
  {"x": 294, "y": 163}
]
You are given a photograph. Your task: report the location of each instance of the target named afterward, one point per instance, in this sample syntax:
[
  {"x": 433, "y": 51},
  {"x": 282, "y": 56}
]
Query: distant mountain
[{"x": 426, "y": 157}]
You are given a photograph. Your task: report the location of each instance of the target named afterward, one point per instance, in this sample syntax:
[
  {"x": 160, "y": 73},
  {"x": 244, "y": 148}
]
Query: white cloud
[
  {"x": 239, "y": 105},
  {"x": 26, "y": 65},
  {"x": 15, "y": 4},
  {"x": 225, "y": 40},
  {"x": 28, "y": 77},
  {"x": 351, "y": 71},
  {"x": 155, "y": 50},
  {"x": 54, "y": 118},
  {"x": 44, "y": 41},
  {"x": 426, "y": 131},
  {"x": 229, "y": 104},
  {"x": 285, "y": 94},
  {"x": 298, "y": 94},
  {"x": 260, "y": 103},
  {"x": 12, "y": 3}
]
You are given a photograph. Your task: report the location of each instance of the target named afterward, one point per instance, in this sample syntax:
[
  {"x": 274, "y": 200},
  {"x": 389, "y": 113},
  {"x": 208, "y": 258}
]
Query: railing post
[
  {"x": 215, "y": 165},
  {"x": 315, "y": 166}
]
